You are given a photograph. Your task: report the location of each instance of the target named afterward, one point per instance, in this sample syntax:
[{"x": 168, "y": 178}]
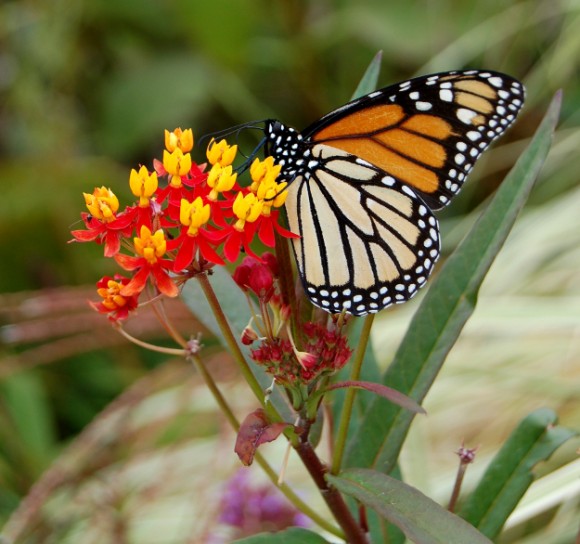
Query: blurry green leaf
[
  {"x": 421, "y": 519},
  {"x": 231, "y": 298},
  {"x": 138, "y": 104},
  {"x": 510, "y": 473},
  {"x": 368, "y": 83},
  {"x": 445, "y": 309},
  {"x": 380, "y": 529},
  {"x": 25, "y": 399},
  {"x": 289, "y": 536}
]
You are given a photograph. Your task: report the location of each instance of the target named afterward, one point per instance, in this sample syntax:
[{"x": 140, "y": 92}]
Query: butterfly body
[{"x": 364, "y": 181}]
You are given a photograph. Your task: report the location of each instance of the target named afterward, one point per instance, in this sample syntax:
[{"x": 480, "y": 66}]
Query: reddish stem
[{"x": 352, "y": 530}]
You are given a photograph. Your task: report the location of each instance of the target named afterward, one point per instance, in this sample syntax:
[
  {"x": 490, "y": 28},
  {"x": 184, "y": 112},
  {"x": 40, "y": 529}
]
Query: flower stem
[
  {"x": 352, "y": 530},
  {"x": 286, "y": 278},
  {"x": 229, "y": 338},
  {"x": 341, "y": 434},
  {"x": 150, "y": 347}
]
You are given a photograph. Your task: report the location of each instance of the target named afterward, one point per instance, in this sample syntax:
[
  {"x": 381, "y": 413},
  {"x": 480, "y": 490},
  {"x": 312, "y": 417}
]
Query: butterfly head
[{"x": 287, "y": 147}]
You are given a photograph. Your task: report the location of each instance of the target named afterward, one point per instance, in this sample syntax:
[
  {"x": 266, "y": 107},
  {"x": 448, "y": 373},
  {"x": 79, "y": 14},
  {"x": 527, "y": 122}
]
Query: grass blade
[{"x": 510, "y": 473}]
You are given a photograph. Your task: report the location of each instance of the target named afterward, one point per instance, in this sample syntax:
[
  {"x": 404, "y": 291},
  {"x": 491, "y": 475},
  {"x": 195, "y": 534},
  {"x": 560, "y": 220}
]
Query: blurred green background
[{"x": 86, "y": 90}]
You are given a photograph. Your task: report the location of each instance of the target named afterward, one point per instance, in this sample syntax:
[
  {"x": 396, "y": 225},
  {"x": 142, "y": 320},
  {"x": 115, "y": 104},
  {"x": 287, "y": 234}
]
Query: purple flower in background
[{"x": 249, "y": 509}]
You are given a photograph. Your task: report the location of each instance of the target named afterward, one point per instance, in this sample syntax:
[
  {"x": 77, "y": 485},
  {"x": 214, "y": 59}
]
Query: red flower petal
[
  {"x": 185, "y": 253},
  {"x": 137, "y": 283},
  {"x": 164, "y": 283},
  {"x": 129, "y": 262},
  {"x": 266, "y": 231},
  {"x": 209, "y": 254}
]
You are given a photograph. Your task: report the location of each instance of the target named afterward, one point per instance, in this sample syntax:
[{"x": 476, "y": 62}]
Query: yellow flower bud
[
  {"x": 246, "y": 208},
  {"x": 179, "y": 139},
  {"x": 194, "y": 215},
  {"x": 143, "y": 185},
  {"x": 221, "y": 153},
  {"x": 102, "y": 204},
  {"x": 150, "y": 246}
]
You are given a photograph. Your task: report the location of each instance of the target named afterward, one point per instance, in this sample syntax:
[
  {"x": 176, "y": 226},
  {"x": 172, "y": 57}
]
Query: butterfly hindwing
[
  {"x": 427, "y": 132},
  {"x": 366, "y": 240}
]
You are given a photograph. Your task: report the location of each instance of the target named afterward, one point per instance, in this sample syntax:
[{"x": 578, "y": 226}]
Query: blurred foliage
[{"x": 86, "y": 89}]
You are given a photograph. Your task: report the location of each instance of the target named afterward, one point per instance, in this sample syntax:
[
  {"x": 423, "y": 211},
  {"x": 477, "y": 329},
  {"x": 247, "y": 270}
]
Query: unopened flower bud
[{"x": 249, "y": 336}]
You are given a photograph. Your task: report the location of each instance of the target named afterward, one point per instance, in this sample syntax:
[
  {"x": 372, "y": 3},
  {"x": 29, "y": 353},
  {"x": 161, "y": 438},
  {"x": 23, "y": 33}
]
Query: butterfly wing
[
  {"x": 426, "y": 132},
  {"x": 366, "y": 240}
]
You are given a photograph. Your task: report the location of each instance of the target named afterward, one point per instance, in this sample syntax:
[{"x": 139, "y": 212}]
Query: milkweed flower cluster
[
  {"x": 187, "y": 218},
  {"x": 324, "y": 348}
]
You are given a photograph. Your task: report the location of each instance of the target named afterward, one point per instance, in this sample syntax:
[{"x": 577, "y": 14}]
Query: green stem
[
  {"x": 229, "y": 338},
  {"x": 341, "y": 434},
  {"x": 150, "y": 347}
]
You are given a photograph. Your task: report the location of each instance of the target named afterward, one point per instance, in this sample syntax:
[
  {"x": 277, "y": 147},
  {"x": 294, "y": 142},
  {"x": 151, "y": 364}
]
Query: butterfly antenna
[
  {"x": 249, "y": 159},
  {"x": 237, "y": 129}
]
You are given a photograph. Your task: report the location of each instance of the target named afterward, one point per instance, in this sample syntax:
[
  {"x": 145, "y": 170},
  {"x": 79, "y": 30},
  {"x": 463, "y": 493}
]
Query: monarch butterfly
[{"x": 365, "y": 178}]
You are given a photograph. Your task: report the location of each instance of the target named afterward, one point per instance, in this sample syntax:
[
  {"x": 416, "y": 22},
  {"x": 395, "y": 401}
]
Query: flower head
[
  {"x": 221, "y": 153},
  {"x": 102, "y": 204},
  {"x": 143, "y": 185},
  {"x": 179, "y": 139},
  {"x": 220, "y": 179},
  {"x": 150, "y": 248},
  {"x": 114, "y": 304},
  {"x": 176, "y": 164}
]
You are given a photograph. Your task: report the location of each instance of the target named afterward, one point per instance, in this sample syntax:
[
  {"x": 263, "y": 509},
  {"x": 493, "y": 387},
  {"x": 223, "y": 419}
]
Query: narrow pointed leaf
[
  {"x": 289, "y": 536},
  {"x": 447, "y": 306},
  {"x": 421, "y": 519},
  {"x": 382, "y": 391},
  {"x": 368, "y": 83},
  {"x": 510, "y": 473}
]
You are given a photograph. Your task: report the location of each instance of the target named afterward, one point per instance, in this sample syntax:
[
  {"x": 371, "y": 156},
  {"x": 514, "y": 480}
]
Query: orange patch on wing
[
  {"x": 391, "y": 162},
  {"x": 429, "y": 125},
  {"x": 414, "y": 146},
  {"x": 475, "y": 103},
  {"x": 362, "y": 122},
  {"x": 477, "y": 87}
]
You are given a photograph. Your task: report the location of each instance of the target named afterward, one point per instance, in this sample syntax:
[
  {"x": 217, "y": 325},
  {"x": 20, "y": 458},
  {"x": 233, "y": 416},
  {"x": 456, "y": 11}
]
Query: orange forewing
[{"x": 409, "y": 149}]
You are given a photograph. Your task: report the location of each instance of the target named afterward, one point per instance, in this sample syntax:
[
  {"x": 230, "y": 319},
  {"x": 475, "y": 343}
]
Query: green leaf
[
  {"x": 231, "y": 298},
  {"x": 421, "y": 519},
  {"x": 289, "y": 536},
  {"x": 31, "y": 423},
  {"x": 510, "y": 473},
  {"x": 445, "y": 309},
  {"x": 368, "y": 83}
]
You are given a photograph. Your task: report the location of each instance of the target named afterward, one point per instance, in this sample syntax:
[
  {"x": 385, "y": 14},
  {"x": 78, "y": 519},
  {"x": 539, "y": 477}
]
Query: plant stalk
[
  {"x": 341, "y": 434},
  {"x": 353, "y": 532}
]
